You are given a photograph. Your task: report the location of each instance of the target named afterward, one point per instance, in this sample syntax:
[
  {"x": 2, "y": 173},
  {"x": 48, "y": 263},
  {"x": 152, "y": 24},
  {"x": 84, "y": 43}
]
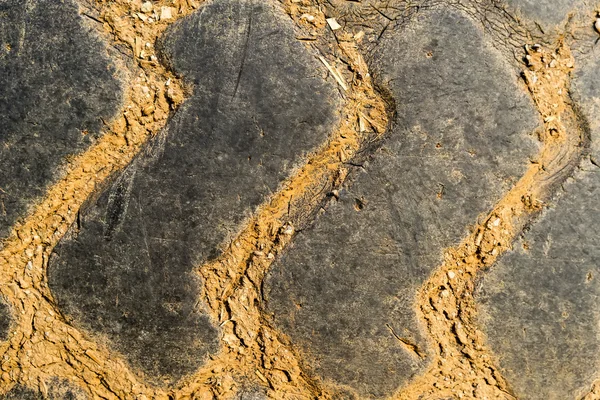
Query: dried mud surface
[{"x": 42, "y": 347}]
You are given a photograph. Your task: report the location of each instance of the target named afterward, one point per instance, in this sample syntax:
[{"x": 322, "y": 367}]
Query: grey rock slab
[
  {"x": 373, "y": 17},
  {"x": 585, "y": 90},
  {"x": 56, "y": 86},
  {"x": 252, "y": 395},
  {"x": 63, "y": 390},
  {"x": 539, "y": 304},
  {"x": 57, "y": 390},
  {"x": 5, "y": 319},
  {"x": 22, "y": 393},
  {"x": 548, "y": 13},
  {"x": 259, "y": 105},
  {"x": 346, "y": 286}
]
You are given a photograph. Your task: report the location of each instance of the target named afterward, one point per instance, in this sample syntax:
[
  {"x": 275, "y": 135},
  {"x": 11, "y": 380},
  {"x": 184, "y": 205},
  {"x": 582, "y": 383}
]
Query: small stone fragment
[
  {"x": 333, "y": 24},
  {"x": 147, "y": 7},
  {"x": 308, "y": 17},
  {"x": 166, "y": 13}
]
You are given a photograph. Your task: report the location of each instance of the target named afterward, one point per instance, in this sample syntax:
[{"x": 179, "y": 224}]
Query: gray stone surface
[
  {"x": 373, "y": 17},
  {"x": 585, "y": 89},
  {"x": 126, "y": 268},
  {"x": 63, "y": 390},
  {"x": 548, "y": 13},
  {"x": 56, "y": 86},
  {"x": 251, "y": 394},
  {"x": 346, "y": 286},
  {"x": 5, "y": 319},
  {"x": 539, "y": 304},
  {"x": 22, "y": 393},
  {"x": 57, "y": 390}
]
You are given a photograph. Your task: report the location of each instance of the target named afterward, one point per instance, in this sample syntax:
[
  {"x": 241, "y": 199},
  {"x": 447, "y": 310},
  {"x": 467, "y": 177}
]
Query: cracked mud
[
  {"x": 294, "y": 199},
  {"x": 126, "y": 268},
  {"x": 345, "y": 288}
]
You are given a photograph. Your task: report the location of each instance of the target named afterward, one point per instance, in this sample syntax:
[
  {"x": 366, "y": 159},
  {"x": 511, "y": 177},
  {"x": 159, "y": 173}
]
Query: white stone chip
[
  {"x": 166, "y": 13},
  {"x": 146, "y": 7},
  {"x": 333, "y": 24}
]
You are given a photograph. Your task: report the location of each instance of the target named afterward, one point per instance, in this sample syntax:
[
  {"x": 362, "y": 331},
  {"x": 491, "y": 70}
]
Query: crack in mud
[
  {"x": 463, "y": 366},
  {"x": 42, "y": 345},
  {"x": 233, "y": 283}
]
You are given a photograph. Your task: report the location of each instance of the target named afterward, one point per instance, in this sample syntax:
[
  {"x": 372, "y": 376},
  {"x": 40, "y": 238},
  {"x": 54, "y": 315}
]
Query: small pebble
[
  {"x": 451, "y": 274},
  {"x": 333, "y": 24},
  {"x": 307, "y": 17},
  {"x": 165, "y": 13},
  {"x": 146, "y": 7}
]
